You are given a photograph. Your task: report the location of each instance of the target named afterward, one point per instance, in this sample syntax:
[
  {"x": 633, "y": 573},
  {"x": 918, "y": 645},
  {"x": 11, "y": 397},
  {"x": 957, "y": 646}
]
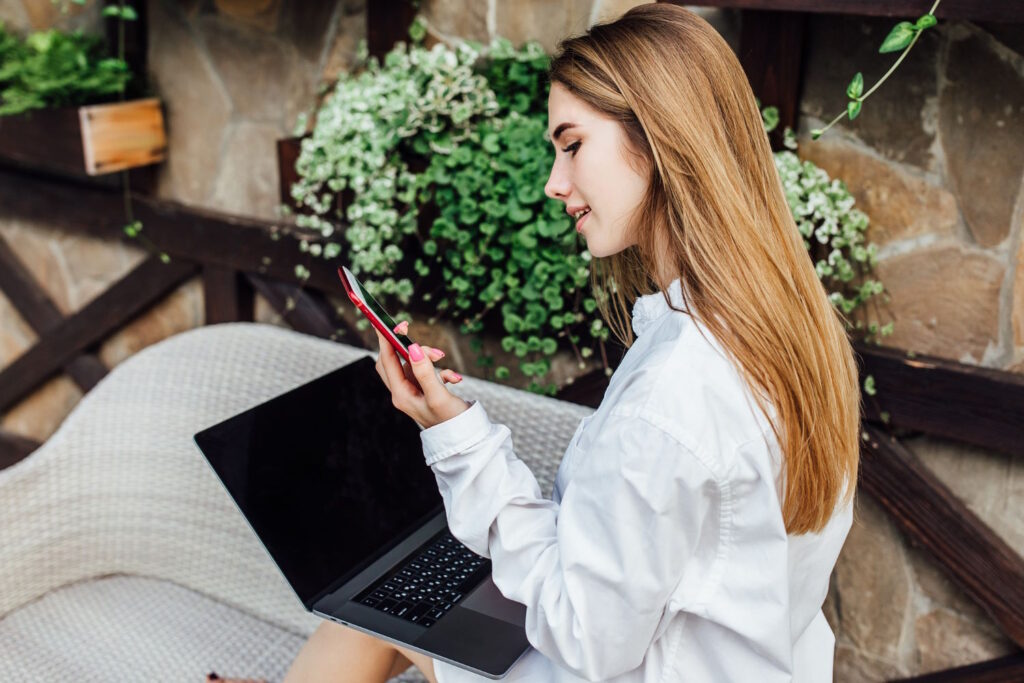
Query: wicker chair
[{"x": 121, "y": 556}]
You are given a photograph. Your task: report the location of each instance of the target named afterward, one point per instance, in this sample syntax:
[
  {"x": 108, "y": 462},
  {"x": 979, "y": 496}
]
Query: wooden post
[{"x": 771, "y": 52}]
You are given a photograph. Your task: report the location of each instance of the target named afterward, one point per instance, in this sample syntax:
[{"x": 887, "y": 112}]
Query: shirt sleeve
[{"x": 596, "y": 570}]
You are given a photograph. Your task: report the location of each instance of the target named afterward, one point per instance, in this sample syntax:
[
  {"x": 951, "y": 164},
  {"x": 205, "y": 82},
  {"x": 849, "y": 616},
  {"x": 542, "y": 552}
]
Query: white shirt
[{"x": 662, "y": 555}]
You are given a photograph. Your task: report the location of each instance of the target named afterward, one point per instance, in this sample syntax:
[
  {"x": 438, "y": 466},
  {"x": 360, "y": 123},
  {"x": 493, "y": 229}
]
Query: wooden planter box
[{"x": 94, "y": 139}]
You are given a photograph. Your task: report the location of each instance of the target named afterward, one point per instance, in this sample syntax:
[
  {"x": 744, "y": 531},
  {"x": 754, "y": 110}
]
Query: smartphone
[{"x": 375, "y": 312}]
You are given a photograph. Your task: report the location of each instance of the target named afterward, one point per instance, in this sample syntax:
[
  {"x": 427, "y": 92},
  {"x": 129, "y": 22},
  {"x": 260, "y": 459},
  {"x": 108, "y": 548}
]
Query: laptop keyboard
[{"x": 425, "y": 587}]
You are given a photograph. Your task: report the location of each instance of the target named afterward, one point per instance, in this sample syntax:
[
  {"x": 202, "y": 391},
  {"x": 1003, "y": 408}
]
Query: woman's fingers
[{"x": 450, "y": 376}]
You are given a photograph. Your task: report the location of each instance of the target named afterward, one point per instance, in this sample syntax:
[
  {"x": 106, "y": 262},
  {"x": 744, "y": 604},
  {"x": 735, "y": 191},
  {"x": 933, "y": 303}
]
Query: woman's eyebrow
[{"x": 562, "y": 127}]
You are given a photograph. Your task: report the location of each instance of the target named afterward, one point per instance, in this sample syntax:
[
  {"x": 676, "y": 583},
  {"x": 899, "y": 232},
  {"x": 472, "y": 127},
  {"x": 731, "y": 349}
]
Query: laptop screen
[{"x": 329, "y": 475}]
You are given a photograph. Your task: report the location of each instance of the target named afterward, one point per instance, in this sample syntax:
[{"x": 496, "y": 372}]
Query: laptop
[{"x": 331, "y": 478}]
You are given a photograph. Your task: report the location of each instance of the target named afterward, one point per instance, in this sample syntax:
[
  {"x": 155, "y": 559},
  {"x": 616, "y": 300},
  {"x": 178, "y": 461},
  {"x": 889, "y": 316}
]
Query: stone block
[
  {"x": 855, "y": 666},
  {"x": 873, "y": 585},
  {"x": 255, "y": 67},
  {"x": 197, "y": 108},
  {"x": 1017, "y": 316},
  {"x": 605, "y": 11},
  {"x": 306, "y": 25},
  {"x": 981, "y": 125},
  {"x": 900, "y": 204},
  {"x": 945, "y": 301},
  {"x": 34, "y": 245},
  {"x": 263, "y": 312},
  {"x": 937, "y": 592},
  {"x": 341, "y": 55},
  {"x": 458, "y": 19},
  {"x": 976, "y": 475},
  {"x": 13, "y": 15},
  {"x": 92, "y": 265},
  {"x": 541, "y": 20},
  {"x": 44, "y": 14},
  {"x": 15, "y": 334},
  {"x": 180, "y": 311},
  {"x": 41, "y": 412},
  {"x": 247, "y": 183},
  {"x": 896, "y": 120},
  {"x": 946, "y": 640},
  {"x": 260, "y": 14}
]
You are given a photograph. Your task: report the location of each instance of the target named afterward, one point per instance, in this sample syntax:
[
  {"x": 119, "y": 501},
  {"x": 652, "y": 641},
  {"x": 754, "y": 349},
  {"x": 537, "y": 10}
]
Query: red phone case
[{"x": 377, "y": 322}]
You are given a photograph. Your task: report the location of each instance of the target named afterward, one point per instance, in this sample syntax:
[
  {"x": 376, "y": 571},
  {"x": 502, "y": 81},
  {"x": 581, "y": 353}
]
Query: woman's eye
[{"x": 572, "y": 148}]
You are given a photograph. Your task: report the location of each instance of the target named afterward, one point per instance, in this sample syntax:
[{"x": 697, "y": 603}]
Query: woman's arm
[{"x": 595, "y": 571}]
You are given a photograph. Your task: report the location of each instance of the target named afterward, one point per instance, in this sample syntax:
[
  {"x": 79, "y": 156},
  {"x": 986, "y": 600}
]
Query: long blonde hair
[{"x": 715, "y": 216}]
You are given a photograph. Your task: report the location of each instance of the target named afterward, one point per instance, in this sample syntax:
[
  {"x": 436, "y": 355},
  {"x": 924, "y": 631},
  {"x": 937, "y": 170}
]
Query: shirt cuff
[{"x": 456, "y": 434}]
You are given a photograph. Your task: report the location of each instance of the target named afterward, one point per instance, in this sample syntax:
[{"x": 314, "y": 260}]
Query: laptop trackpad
[{"x": 487, "y": 599}]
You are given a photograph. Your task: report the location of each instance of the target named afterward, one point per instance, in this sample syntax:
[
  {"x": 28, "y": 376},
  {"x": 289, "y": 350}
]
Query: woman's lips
[{"x": 579, "y": 223}]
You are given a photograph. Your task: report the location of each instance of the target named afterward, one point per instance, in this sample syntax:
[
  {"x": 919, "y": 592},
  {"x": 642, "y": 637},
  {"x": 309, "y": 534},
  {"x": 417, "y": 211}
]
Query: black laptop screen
[{"x": 330, "y": 475}]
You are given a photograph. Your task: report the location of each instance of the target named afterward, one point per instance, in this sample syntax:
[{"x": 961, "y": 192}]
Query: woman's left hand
[{"x": 416, "y": 389}]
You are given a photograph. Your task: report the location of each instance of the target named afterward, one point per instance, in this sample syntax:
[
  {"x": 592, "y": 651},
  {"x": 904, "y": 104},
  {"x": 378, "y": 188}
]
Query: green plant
[
  {"x": 53, "y": 69},
  {"x": 903, "y": 36},
  {"x": 442, "y": 152},
  {"x": 472, "y": 123}
]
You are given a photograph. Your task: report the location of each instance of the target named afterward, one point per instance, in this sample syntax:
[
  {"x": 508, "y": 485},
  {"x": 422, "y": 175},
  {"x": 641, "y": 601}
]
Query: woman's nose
[{"x": 558, "y": 185}]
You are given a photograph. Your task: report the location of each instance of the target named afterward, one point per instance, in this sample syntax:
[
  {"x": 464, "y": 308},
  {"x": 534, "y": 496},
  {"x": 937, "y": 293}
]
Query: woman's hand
[{"x": 415, "y": 388}]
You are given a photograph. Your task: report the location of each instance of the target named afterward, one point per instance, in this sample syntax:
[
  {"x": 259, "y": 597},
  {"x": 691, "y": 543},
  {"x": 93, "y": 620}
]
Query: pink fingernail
[
  {"x": 440, "y": 352},
  {"x": 457, "y": 375},
  {"x": 415, "y": 353}
]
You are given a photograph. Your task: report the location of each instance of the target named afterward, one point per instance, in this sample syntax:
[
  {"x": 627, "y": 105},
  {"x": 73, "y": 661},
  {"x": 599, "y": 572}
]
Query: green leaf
[
  {"x": 816, "y": 133},
  {"x": 925, "y": 21},
  {"x": 899, "y": 37},
  {"x": 852, "y": 109},
  {"x": 111, "y": 11},
  {"x": 770, "y": 118},
  {"x": 128, "y": 13},
  {"x": 856, "y": 87},
  {"x": 869, "y": 385}
]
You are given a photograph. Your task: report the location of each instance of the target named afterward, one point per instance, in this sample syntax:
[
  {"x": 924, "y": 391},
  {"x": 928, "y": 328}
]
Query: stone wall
[{"x": 936, "y": 159}]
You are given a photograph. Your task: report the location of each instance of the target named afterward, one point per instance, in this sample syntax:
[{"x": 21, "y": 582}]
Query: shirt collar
[{"x": 650, "y": 307}]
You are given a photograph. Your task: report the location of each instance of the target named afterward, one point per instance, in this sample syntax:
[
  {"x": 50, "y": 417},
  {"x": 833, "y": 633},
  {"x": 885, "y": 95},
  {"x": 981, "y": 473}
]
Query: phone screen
[{"x": 374, "y": 307}]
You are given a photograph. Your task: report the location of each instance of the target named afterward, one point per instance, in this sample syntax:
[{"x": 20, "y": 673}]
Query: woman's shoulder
[{"x": 683, "y": 381}]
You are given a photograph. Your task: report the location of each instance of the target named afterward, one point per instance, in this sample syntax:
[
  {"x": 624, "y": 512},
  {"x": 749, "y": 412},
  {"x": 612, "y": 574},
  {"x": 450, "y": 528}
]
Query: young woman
[{"x": 698, "y": 513}]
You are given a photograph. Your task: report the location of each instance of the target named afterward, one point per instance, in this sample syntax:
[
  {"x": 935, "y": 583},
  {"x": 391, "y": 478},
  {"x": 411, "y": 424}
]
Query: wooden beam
[
  {"x": 771, "y": 52},
  {"x": 307, "y": 312},
  {"x": 240, "y": 243},
  {"x": 49, "y": 139},
  {"x": 42, "y": 315},
  {"x": 14, "y": 447},
  {"x": 985, "y": 567},
  {"x": 387, "y": 22},
  {"x": 980, "y": 406},
  {"x": 227, "y": 296},
  {"x": 975, "y": 10},
  {"x": 288, "y": 150},
  {"x": 143, "y": 286},
  {"x": 1002, "y": 670}
]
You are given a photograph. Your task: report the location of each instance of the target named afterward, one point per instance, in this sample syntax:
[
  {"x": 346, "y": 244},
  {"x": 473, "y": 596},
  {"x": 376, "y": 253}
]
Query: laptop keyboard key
[{"x": 429, "y": 584}]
